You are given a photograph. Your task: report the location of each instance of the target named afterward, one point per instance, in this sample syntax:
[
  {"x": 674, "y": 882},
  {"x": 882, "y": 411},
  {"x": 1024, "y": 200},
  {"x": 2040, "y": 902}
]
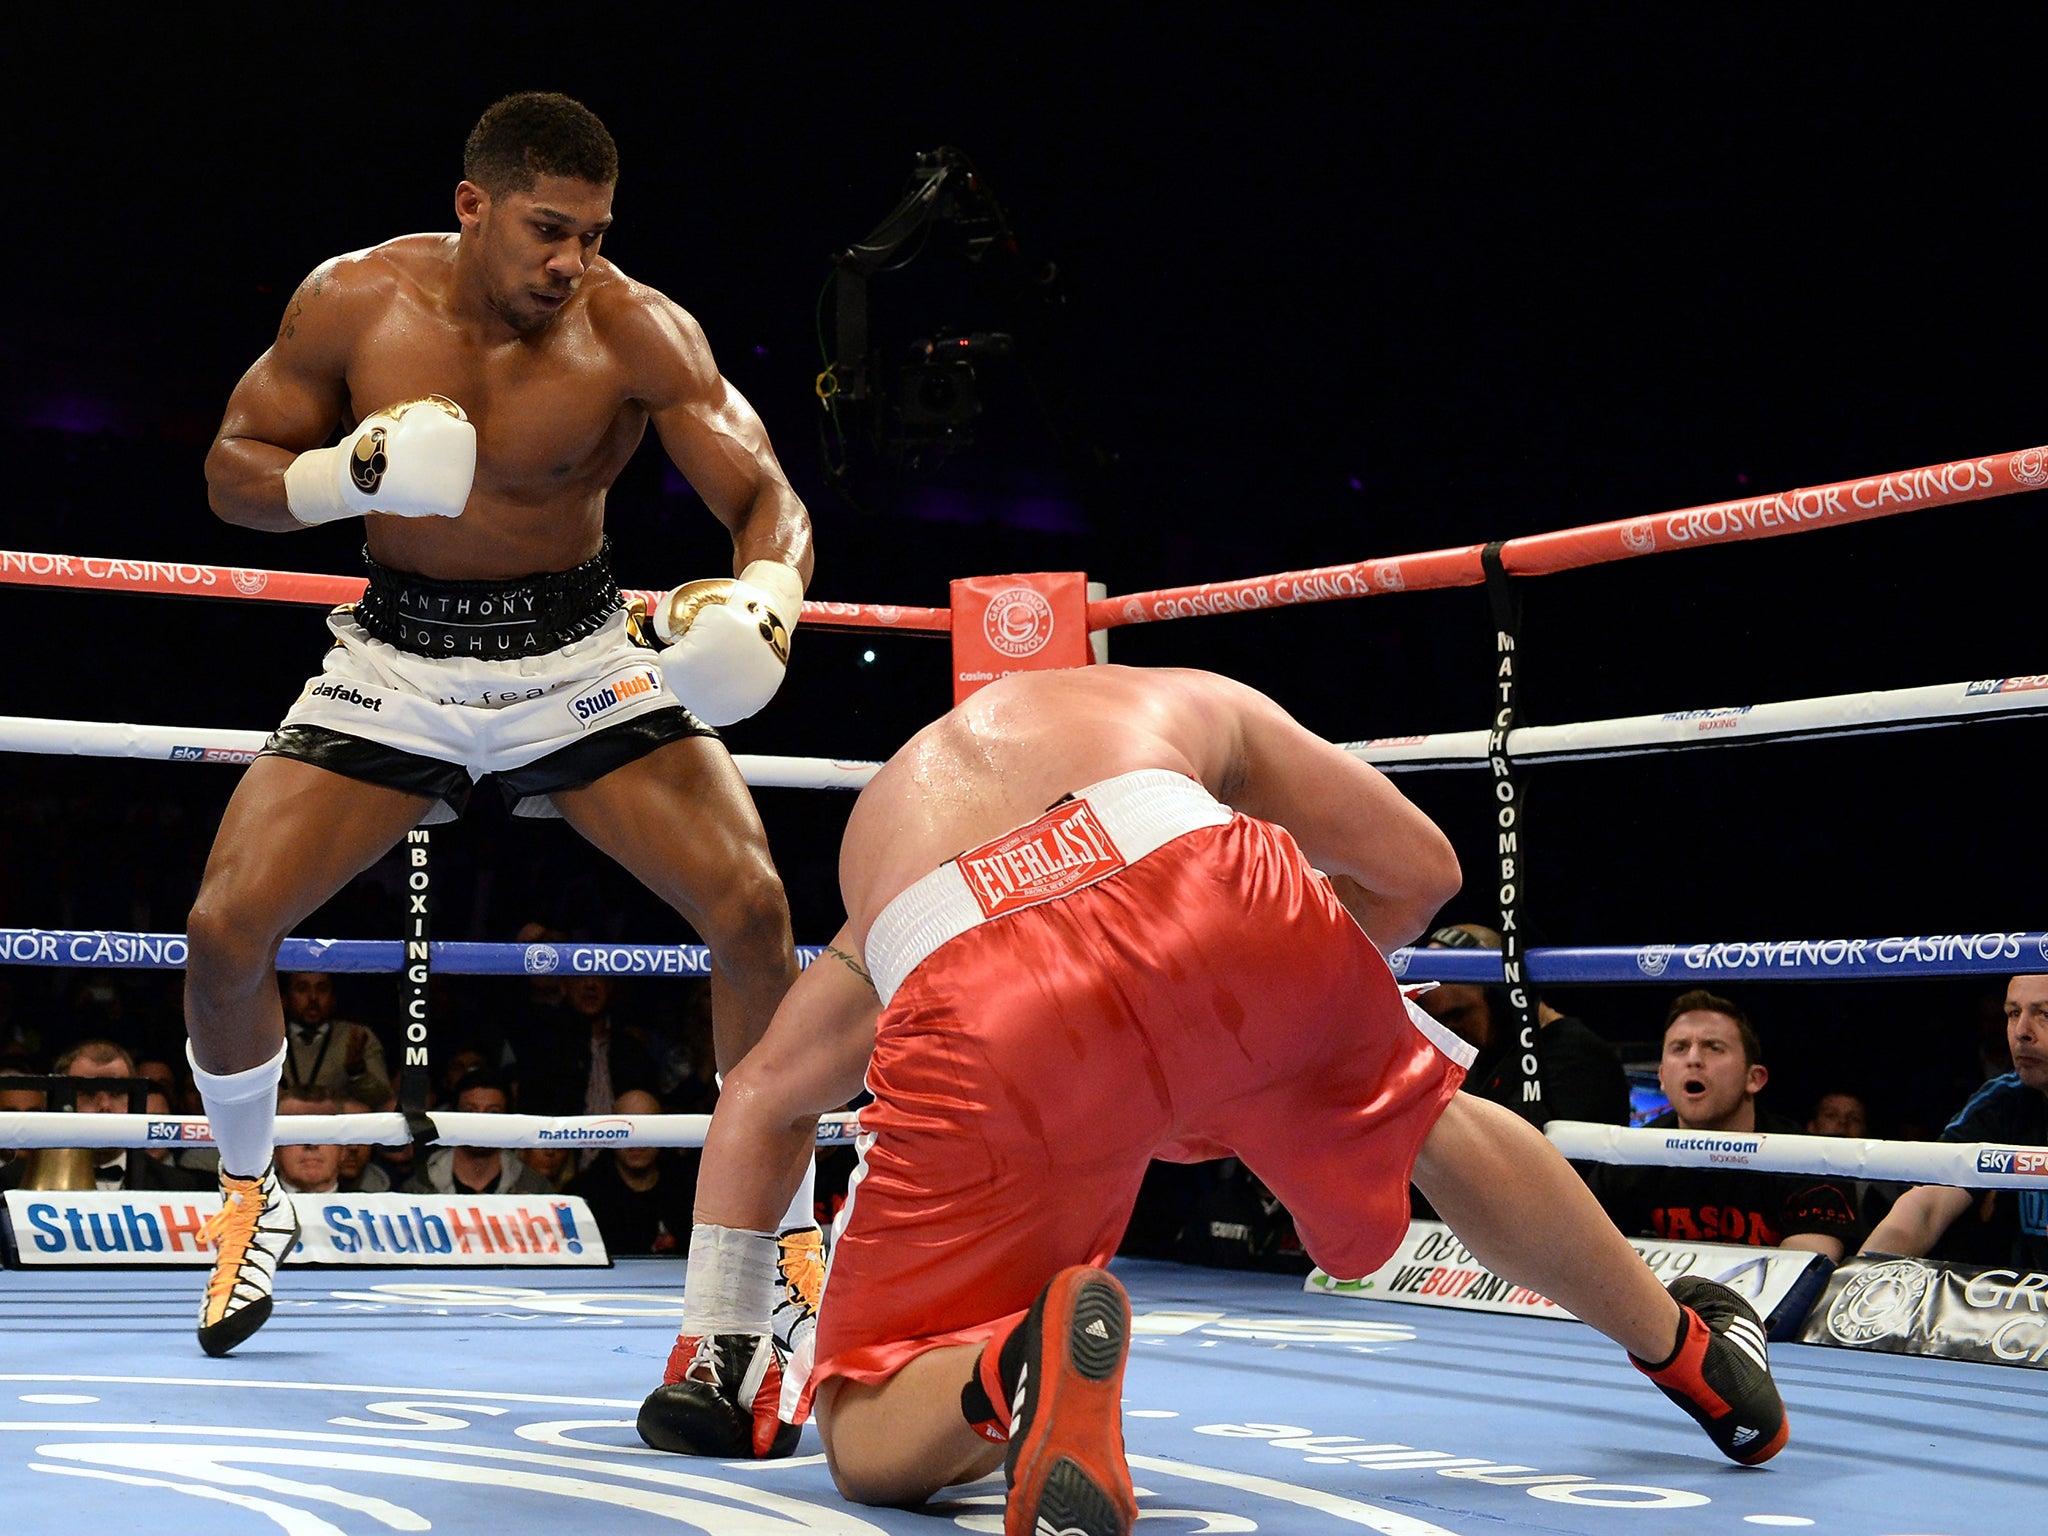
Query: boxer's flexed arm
[
  {"x": 727, "y": 640},
  {"x": 713, "y": 435},
  {"x": 1396, "y": 866},
  {"x": 292, "y": 398},
  {"x": 268, "y": 468}
]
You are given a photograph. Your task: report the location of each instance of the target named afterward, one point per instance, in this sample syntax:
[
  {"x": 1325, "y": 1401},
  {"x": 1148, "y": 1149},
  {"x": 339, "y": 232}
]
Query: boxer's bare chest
[{"x": 553, "y": 412}]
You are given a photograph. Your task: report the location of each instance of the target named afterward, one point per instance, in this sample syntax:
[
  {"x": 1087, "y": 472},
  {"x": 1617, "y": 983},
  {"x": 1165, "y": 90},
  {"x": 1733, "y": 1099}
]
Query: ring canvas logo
[{"x": 1018, "y": 622}]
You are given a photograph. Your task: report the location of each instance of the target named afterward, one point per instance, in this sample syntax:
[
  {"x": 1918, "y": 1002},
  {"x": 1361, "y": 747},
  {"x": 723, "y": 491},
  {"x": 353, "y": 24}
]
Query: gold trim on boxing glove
[
  {"x": 398, "y": 410},
  {"x": 681, "y": 607}
]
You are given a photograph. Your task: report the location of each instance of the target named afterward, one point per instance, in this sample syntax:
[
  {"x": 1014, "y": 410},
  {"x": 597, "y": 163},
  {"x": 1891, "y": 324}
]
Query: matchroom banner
[
  {"x": 1927, "y": 1307},
  {"x": 135, "y": 1227}
]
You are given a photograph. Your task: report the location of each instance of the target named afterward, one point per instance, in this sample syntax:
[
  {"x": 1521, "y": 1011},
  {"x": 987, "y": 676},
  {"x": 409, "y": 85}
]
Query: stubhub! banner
[
  {"x": 126, "y": 1227},
  {"x": 1432, "y": 1268}
]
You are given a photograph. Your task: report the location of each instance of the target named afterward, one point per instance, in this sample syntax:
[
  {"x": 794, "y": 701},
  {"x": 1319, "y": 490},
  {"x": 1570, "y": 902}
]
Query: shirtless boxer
[
  {"x": 490, "y": 385},
  {"x": 1135, "y": 955}
]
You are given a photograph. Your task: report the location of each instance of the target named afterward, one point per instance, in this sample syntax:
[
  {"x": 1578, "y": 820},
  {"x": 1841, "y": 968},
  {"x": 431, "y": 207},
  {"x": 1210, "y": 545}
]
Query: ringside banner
[
  {"x": 1432, "y": 1268},
  {"x": 140, "y": 1227},
  {"x": 1927, "y": 1307}
]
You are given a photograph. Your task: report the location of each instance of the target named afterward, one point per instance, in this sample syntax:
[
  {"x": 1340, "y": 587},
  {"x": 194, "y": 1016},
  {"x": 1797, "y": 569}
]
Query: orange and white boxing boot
[{"x": 254, "y": 1229}]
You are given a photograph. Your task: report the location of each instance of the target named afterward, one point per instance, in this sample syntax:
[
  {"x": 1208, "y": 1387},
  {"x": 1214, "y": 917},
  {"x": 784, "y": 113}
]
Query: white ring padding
[
  {"x": 204, "y": 744},
  {"x": 1840, "y": 714},
  {"x": 23, "y": 1129},
  {"x": 1962, "y": 1165}
]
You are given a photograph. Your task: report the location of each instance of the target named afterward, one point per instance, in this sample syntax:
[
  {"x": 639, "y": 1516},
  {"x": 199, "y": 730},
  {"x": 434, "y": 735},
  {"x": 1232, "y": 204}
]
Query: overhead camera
[{"x": 937, "y": 393}]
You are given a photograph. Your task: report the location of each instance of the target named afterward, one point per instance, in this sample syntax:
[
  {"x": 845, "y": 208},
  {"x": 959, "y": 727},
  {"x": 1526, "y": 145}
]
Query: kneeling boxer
[
  {"x": 491, "y": 385},
  {"x": 1140, "y": 954}
]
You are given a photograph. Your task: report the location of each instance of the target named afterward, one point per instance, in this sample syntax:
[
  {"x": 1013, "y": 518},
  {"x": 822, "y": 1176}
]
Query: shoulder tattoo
[
  {"x": 309, "y": 289},
  {"x": 852, "y": 963}
]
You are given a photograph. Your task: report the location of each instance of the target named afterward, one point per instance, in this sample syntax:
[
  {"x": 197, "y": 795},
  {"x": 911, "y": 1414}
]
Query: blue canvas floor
[{"x": 502, "y": 1402}]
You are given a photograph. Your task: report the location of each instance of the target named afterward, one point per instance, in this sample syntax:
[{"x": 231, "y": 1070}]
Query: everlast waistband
[
  {"x": 1086, "y": 837},
  {"x": 489, "y": 620}
]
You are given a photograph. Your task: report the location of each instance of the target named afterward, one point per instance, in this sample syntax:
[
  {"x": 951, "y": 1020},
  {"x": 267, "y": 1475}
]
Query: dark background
[{"x": 1334, "y": 282}]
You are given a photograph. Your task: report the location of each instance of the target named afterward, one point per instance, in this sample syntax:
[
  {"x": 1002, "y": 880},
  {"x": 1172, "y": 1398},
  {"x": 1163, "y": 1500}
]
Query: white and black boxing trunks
[{"x": 542, "y": 682}]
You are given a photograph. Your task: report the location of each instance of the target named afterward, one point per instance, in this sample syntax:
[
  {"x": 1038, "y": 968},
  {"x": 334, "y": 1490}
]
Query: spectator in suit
[
  {"x": 326, "y": 1052},
  {"x": 99, "y": 1061}
]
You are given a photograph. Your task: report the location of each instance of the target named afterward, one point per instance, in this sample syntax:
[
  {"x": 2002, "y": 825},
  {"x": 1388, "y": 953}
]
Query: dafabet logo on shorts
[{"x": 1063, "y": 850}]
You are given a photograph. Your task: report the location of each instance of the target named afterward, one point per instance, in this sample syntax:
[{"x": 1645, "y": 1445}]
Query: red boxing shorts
[{"x": 1137, "y": 973}]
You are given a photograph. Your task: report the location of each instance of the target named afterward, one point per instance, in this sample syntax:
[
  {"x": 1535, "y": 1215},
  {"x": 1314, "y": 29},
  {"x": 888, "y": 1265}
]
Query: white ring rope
[
  {"x": 1964, "y": 1165},
  {"x": 203, "y": 744},
  {"x": 24, "y": 1129},
  {"x": 1841, "y": 714}
]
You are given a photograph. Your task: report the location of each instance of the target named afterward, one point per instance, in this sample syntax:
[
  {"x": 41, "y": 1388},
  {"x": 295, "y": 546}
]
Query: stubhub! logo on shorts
[{"x": 600, "y": 699}]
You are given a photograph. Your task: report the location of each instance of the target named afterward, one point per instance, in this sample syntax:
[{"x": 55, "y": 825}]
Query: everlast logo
[
  {"x": 367, "y": 464},
  {"x": 1063, "y": 850}
]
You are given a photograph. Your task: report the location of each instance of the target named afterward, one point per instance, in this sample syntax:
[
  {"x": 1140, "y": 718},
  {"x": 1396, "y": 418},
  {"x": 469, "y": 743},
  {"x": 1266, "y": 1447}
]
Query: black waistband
[{"x": 492, "y": 620}]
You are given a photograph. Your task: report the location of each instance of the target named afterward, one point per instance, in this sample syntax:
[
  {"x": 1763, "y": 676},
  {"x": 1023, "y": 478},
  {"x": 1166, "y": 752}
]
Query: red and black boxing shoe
[
  {"x": 720, "y": 1398},
  {"x": 1064, "y": 1378},
  {"x": 1720, "y": 1373}
]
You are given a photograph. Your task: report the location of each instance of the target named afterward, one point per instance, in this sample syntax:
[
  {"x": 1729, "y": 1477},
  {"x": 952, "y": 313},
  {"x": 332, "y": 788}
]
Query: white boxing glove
[
  {"x": 413, "y": 459},
  {"x": 728, "y": 641}
]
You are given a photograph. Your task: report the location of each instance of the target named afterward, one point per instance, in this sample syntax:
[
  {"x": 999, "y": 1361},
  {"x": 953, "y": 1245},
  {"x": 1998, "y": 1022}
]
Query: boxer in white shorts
[{"x": 488, "y": 386}]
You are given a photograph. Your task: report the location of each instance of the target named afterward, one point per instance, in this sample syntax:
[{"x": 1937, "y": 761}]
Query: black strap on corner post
[
  {"x": 415, "y": 1074},
  {"x": 1508, "y": 795}
]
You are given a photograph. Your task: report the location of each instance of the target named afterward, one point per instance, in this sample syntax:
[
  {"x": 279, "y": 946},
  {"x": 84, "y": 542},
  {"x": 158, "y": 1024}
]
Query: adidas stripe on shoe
[
  {"x": 1721, "y": 1372},
  {"x": 1065, "y": 1464}
]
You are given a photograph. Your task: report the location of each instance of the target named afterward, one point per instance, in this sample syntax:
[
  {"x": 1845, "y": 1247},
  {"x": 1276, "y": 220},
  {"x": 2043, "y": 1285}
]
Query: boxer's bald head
[{"x": 535, "y": 134}]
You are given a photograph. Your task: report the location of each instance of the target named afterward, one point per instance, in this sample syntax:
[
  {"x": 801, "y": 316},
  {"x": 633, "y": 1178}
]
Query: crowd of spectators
[
  {"x": 571, "y": 1044},
  {"x": 546, "y": 1045}
]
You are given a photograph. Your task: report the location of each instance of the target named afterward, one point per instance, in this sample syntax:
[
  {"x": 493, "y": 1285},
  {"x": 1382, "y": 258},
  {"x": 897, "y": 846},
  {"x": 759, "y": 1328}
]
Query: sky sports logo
[
  {"x": 2006, "y": 685},
  {"x": 2031, "y": 1161},
  {"x": 212, "y": 755},
  {"x": 180, "y": 1130},
  {"x": 613, "y": 692}
]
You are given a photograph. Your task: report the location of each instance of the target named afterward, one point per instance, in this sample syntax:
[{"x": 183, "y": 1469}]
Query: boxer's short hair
[{"x": 538, "y": 133}]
